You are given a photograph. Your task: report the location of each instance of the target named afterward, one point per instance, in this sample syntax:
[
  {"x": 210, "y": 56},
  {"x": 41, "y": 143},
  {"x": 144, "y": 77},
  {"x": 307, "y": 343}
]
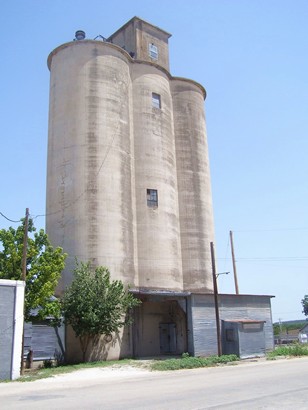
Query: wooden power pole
[
  {"x": 23, "y": 277},
  {"x": 234, "y": 264},
  {"x": 216, "y": 299}
]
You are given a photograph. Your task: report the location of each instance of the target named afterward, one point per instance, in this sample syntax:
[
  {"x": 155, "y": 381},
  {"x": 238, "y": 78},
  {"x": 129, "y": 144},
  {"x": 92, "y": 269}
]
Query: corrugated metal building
[{"x": 173, "y": 323}]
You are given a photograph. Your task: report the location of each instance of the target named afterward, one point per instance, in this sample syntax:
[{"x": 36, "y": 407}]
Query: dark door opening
[{"x": 167, "y": 338}]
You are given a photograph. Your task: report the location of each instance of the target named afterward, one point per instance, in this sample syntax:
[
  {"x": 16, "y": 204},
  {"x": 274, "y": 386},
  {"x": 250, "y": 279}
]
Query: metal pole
[
  {"x": 23, "y": 277},
  {"x": 216, "y": 300},
  {"x": 234, "y": 265}
]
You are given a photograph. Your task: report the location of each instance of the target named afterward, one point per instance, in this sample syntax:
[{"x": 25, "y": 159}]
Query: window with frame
[
  {"x": 153, "y": 51},
  {"x": 156, "y": 100},
  {"x": 230, "y": 336},
  {"x": 152, "y": 198}
]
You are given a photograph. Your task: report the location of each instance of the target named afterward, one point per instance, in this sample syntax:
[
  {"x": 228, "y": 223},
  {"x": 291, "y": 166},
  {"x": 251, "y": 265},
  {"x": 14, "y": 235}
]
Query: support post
[
  {"x": 23, "y": 277},
  {"x": 234, "y": 264},
  {"x": 216, "y": 300}
]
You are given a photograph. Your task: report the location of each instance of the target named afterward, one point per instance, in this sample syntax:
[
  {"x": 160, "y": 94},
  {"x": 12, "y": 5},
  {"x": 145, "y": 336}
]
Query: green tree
[
  {"x": 305, "y": 305},
  {"x": 94, "y": 305},
  {"x": 43, "y": 267}
]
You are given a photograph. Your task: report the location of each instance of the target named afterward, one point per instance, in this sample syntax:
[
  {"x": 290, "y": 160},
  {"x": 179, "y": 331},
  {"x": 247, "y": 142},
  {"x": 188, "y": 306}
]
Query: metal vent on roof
[{"x": 80, "y": 35}]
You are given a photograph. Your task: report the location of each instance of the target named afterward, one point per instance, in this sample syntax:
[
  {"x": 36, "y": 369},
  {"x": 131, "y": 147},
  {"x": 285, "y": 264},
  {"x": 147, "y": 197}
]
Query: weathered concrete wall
[
  {"x": 90, "y": 176},
  {"x": 11, "y": 327},
  {"x": 158, "y": 230},
  {"x": 118, "y": 347},
  {"x": 135, "y": 37},
  {"x": 194, "y": 185},
  {"x": 108, "y": 144}
]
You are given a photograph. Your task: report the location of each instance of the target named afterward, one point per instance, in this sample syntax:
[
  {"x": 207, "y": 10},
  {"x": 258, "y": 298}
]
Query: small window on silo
[
  {"x": 156, "y": 100},
  {"x": 153, "y": 51},
  {"x": 152, "y": 198}
]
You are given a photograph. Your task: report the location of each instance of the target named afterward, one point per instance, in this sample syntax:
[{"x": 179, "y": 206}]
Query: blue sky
[{"x": 251, "y": 56}]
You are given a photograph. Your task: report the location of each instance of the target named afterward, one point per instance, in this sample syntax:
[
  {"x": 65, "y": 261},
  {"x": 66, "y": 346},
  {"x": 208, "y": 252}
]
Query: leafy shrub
[{"x": 47, "y": 364}]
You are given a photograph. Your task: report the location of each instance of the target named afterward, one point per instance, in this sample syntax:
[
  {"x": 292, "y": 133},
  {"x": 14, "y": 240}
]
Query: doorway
[{"x": 167, "y": 338}]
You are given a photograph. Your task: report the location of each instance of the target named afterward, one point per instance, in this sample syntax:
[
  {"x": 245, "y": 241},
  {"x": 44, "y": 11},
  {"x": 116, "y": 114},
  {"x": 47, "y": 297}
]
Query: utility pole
[
  {"x": 216, "y": 299},
  {"x": 23, "y": 277},
  {"x": 234, "y": 264},
  {"x": 24, "y": 251}
]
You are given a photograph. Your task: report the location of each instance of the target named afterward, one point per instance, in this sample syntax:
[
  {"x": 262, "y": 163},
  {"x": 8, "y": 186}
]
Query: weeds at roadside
[
  {"x": 295, "y": 350},
  {"x": 187, "y": 362}
]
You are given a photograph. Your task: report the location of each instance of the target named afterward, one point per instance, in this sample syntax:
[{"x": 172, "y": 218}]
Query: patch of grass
[
  {"x": 43, "y": 373},
  {"x": 294, "y": 350},
  {"x": 187, "y": 362}
]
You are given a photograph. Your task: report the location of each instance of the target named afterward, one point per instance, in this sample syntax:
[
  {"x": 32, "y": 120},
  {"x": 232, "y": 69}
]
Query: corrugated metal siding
[
  {"x": 251, "y": 343},
  {"x": 230, "y": 346},
  {"x": 249, "y": 307},
  {"x": 45, "y": 341},
  {"x": 231, "y": 307},
  {"x": 190, "y": 329},
  {"x": 204, "y": 326},
  {"x": 27, "y": 336}
]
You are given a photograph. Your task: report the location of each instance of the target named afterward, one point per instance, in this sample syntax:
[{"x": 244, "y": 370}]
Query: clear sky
[{"x": 251, "y": 56}]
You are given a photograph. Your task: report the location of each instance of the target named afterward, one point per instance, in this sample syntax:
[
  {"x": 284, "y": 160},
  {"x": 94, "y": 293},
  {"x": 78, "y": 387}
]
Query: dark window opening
[
  {"x": 152, "y": 198},
  {"x": 156, "y": 100},
  {"x": 153, "y": 51}
]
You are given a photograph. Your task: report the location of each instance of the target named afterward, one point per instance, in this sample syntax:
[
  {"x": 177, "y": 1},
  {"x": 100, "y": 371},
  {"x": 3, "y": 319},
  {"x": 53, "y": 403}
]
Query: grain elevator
[{"x": 128, "y": 180}]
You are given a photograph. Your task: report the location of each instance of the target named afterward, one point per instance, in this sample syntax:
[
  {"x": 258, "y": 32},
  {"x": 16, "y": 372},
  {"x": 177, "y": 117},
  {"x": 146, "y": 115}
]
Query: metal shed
[{"x": 245, "y": 338}]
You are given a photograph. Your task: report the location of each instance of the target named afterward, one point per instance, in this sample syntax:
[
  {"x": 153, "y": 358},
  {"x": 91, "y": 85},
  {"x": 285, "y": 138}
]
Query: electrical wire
[
  {"x": 11, "y": 220},
  {"x": 271, "y": 230}
]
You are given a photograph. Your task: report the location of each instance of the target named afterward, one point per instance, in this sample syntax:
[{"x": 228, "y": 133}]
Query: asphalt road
[{"x": 281, "y": 384}]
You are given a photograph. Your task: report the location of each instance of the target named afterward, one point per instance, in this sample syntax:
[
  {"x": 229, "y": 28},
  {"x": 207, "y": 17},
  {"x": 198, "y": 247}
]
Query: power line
[
  {"x": 11, "y": 220},
  {"x": 275, "y": 258},
  {"x": 271, "y": 230}
]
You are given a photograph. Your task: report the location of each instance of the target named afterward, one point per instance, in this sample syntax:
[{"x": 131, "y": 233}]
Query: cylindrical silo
[
  {"x": 90, "y": 200},
  {"x": 158, "y": 231},
  {"x": 194, "y": 186}
]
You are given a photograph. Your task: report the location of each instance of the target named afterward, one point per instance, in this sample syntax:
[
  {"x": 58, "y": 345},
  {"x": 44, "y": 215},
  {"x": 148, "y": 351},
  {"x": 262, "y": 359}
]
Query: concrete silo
[
  {"x": 90, "y": 199},
  {"x": 128, "y": 183}
]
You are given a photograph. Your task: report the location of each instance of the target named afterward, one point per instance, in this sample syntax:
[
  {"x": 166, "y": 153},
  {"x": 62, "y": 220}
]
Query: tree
[
  {"x": 94, "y": 305},
  {"x": 305, "y": 305},
  {"x": 43, "y": 267}
]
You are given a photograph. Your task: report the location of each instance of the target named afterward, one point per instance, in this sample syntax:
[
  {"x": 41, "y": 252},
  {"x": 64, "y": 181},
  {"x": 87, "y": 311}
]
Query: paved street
[{"x": 280, "y": 384}]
